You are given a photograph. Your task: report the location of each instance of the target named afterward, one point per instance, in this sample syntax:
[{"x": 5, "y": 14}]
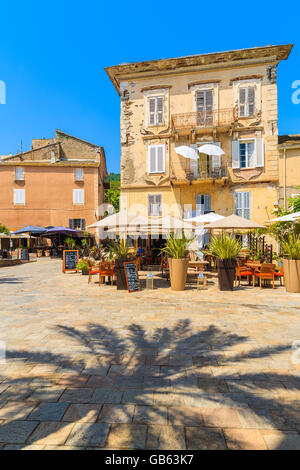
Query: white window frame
[
  {"x": 156, "y": 171},
  {"x": 247, "y": 104},
  {"x": 159, "y": 204},
  {"x": 19, "y": 201},
  {"x": 19, "y": 177},
  {"x": 76, "y": 177},
  {"x": 78, "y": 197},
  {"x": 156, "y": 112},
  {"x": 241, "y": 211}
]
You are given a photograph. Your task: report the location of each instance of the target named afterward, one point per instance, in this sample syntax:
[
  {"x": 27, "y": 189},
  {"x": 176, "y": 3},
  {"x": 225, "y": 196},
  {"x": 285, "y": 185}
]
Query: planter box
[
  {"x": 291, "y": 273},
  {"x": 226, "y": 273},
  {"x": 178, "y": 272},
  {"x": 120, "y": 273}
]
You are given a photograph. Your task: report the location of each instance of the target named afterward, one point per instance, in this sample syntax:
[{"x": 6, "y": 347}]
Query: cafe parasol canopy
[
  {"x": 294, "y": 217},
  {"x": 234, "y": 222},
  {"x": 31, "y": 229},
  {"x": 61, "y": 231}
]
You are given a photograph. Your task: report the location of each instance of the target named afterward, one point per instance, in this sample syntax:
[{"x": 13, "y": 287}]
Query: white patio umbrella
[
  {"x": 120, "y": 219},
  {"x": 211, "y": 149},
  {"x": 205, "y": 218},
  {"x": 234, "y": 222},
  {"x": 288, "y": 218},
  {"x": 187, "y": 152}
]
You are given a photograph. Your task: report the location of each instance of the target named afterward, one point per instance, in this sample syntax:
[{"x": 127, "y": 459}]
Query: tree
[
  {"x": 3, "y": 229},
  {"x": 112, "y": 194}
]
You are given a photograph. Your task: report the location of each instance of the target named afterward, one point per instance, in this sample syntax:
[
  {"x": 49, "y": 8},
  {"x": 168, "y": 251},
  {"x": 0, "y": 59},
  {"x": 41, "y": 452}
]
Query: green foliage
[
  {"x": 120, "y": 249},
  {"x": 294, "y": 202},
  {"x": 83, "y": 265},
  {"x": 112, "y": 195},
  {"x": 3, "y": 229},
  {"x": 83, "y": 242},
  {"x": 112, "y": 177},
  {"x": 224, "y": 247},
  {"x": 70, "y": 242},
  {"x": 176, "y": 248},
  {"x": 291, "y": 246}
]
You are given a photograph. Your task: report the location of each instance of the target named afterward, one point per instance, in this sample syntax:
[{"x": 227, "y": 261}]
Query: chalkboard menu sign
[
  {"x": 70, "y": 260},
  {"x": 132, "y": 277},
  {"x": 24, "y": 254}
]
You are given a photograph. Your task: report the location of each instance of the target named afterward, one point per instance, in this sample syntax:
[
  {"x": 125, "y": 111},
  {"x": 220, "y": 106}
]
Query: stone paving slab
[{"x": 97, "y": 368}]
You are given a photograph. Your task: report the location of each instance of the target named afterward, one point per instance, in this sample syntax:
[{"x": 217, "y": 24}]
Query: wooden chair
[
  {"x": 279, "y": 273},
  {"x": 241, "y": 271},
  {"x": 92, "y": 270},
  {"x": 267, "y": 273},
  {"x": 106, "y": 269},
  {"x": 165, "y": 267}
]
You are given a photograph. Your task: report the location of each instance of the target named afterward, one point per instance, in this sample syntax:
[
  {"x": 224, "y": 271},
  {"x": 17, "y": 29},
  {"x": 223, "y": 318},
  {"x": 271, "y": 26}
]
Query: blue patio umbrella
[{"x": 31, "y": 229}]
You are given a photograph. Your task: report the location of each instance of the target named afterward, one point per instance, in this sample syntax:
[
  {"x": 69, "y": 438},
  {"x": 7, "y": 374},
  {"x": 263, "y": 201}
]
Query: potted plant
[
  {"x": 176, "y": 251},
  {"x": 83, "y": 266},
  {"x": 226, "y": 249},
  {"x": 120, "y": 251},
  {"x": 291, "y": 266}
]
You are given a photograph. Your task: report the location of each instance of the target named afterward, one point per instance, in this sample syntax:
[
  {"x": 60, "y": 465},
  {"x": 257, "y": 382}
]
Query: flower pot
[
  {"x": 120, "y": 273},
  {"x": 226, "y": 273},
  {"x": 178, "y": 272},
  {"x": 291, "y": 274},
  {"x": 47, "y": 253}
]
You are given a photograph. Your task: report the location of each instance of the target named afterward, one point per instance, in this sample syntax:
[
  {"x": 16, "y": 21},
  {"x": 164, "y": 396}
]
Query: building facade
[
  {"x": 59, "y": 182},
  {"x": 289, "y": 168},
  {"x": 229, "y": 99}
]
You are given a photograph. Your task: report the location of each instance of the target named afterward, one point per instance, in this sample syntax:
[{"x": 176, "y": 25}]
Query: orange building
[{"x": 59, "y": 181}]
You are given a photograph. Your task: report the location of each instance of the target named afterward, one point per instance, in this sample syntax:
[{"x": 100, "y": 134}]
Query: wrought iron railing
[
  {"x": 203, "y": 119},
  {"x": 181, "y": 172}
]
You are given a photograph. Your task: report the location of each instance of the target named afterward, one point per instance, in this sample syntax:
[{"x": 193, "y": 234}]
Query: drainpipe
[{"x": 284, "y": 177}]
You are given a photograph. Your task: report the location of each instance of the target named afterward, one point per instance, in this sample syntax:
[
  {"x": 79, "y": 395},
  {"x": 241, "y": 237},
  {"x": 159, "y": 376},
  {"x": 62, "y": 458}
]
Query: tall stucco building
[
  {"x": 58, "y": 182},
  {"x": 227, "y": 98}
]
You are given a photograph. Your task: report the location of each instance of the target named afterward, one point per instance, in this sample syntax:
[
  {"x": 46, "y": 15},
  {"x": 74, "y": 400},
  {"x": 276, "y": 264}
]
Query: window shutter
[
  {"x": 235, "y": 154},
  {"x": 19, "y": 173},
  {"x": 152, "y": 111},
  {"x": 194, "y": 164},
  {"x": 71, "y": 223},
  {"x": 207, "y": 203},
  {"x": 242, "y": 102},
  {"x": 160, "y": 159},
  {"x": 152, "y": 159},
  {"x": 251, "y": 101},
  {"x": 260, "y": 152},
  {"x": 246, "y": 204},
  {"x": 150, "y": 204},
  {"x": 200, "y": 101},
  {"x": 209, "y": 100},
  {"x": 19, "y": 196},
  {"x": 82, "y": 223},
  {"x": 160, "y": 110}
]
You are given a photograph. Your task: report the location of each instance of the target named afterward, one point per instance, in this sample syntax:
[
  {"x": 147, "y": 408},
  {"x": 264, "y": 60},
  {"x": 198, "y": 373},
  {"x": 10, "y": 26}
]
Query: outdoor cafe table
[
  {"x": 253, "y": 267},
  {"x": 198, "y": 265}
]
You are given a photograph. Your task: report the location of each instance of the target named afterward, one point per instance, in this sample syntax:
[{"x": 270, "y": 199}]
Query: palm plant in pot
[
  {"x": 226, "y": 249},
  {"x": 120, "y": 250},
  {"x": 291, "y": 264},
  {"x": 176, "y": 250},
  {"x": 83, "y": 266}
]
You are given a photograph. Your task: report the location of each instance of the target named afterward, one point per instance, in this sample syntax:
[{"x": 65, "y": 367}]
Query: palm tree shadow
[{"x": 172, "y": 376}]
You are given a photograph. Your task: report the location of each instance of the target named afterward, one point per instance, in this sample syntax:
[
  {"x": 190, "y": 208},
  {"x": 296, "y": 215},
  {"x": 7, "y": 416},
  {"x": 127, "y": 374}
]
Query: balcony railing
[
  {"x": 181, "y": 173},
  {"x": 203, "y": 119}
]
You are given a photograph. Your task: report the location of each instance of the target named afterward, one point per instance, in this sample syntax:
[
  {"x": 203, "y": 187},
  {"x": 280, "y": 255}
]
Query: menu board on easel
[
  {"x": 132, "y": 276},
  {"x": 70, "y": 260}
]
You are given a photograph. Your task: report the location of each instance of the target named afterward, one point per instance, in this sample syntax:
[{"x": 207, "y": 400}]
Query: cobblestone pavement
[{"x": 92, "y": 367}]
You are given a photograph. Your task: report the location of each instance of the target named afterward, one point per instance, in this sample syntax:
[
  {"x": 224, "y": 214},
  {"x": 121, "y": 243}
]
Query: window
[
  {"x": 154, "y": 204},
  {"x": 19, "y": 173},
  {"x": 156, "y": 159},
  {"x": 77, "y": 224},
  {"x": 247, "y": 101},
  {"x": 156, "y": 110},
  {"x": 19, "y": 196},
  {"x": 248, "y": 153},
  {"x": 78, "y": 196},
  {"x": 242, "y": 204},
  {"x": 203, "y": 204},
  {"x": 204, "y": 106},
  {"x": 78, "y": 174}
]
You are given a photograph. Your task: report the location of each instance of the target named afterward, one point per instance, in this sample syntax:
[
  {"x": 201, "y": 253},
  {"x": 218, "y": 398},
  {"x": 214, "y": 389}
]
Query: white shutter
[
  {"x": 251, "y": 101},
  {"x": 78, "y": 196},
  {"x": 260, "y": 152},
  {"x": 194, "y": 164},
  {"x": 235, "y": 154},
  {"x": 152, "y": 107},
  {"x": 160, "y": 159},
  {"x": 19, "y": 196},
  {"x": 159, "y": 110},
  {"x": 246, "y": 204},
  {"x": 152, "y": 159},
  {"x": 19, "y": 173},
  {"x": 242, "y": 102}
]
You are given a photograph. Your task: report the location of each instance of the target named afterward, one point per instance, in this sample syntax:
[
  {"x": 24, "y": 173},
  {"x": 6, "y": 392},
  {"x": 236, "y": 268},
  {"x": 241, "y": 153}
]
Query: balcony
[
  {"x": 203, "y": 119},
  {"x": 184, "y": 173}
]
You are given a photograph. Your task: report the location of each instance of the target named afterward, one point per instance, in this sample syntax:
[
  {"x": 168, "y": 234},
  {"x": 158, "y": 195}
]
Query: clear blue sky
[{"x": 53, "y": 54}]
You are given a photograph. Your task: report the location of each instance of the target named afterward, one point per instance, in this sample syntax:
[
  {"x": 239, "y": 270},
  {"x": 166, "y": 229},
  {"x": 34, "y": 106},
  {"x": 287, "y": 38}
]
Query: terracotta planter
[
  {"x": 120, "y": 273},
  {"x": 291, "y": 273},
  {"x": 226, "y": 273},
  {"x": 178, "y": 272}
]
